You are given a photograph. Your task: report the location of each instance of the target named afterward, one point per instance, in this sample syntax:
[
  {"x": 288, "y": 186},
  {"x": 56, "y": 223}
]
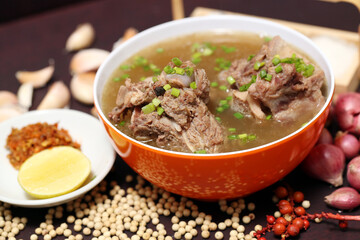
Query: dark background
[{"x": 32, "y": 32}]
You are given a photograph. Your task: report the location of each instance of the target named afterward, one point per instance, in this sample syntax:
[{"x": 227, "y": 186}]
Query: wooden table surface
[{"x": 29, "y": 42}]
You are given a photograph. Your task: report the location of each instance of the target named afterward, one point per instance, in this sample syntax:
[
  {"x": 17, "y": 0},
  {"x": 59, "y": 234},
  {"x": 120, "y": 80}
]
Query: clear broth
[{"x": 245, "y": 45}]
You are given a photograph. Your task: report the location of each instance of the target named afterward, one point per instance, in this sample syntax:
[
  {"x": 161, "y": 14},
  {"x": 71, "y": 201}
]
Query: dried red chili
[{"x": 23, "y": 143}]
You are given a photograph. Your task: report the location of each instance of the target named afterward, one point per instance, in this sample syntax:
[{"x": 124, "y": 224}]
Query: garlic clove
[
  {"x": 345, "y": 198},
  {"x": 37, "y": 78},
  {"x": 10, "y": 111},
  {"x": 87, "y": 60},
  {"x": 82, "y": 37},
  {"x": 129, "y": 33},
  {"x": 7, "y": 98},
  {"x": 25, "y": 95},
  {"x": 58, "y": 96},
  {"x": 81, "y": 87}
]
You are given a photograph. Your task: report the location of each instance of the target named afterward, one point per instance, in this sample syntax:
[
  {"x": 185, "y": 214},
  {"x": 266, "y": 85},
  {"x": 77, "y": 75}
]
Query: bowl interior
[{"x": 206, "y": 24}]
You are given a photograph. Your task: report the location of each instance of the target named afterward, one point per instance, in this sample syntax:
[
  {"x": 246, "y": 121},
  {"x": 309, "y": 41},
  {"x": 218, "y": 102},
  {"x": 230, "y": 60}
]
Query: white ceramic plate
[{"x": 83, "y": 128}]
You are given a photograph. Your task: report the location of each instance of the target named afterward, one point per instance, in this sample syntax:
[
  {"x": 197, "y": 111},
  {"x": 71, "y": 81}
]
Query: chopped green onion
[
  {"x": 149, "y": 108},
  {"x": 276, "y": 61},
  {"x": 267, "y": 39},
  {"x": 218, "y": 119},
  {"x": 258, "y": 65},
  {"x": 230, "y": 80},
  {"x": 159, "y": 110},
  {"x": 207, "y": 52},
  {"x": 223, "y": 87},
  {"x": 262, "y": 73},
  {"x": 142, "y": 78},
  {"x": 159, "y": 50},
  {"x": 251, "y": 137},
  {"x": 225, "y": 106},
  {"x": 125, "y": 67},
  {"x": 140, "y": 61},
  {"x": 189, "y": 71},
  {"x": 278, "y": 69},
  {"x": 122, "y": 123},
  {"x": 193, "y": 85},
  {"x": 214, "y": 84},
  {"x": 250, "y": 57},
  {"x": 223, "y": 102},
  {"x": 116, "y": 79},
  {"x": 243, "y": 136},
  {"x": 232, "y": 137},
  {"x": 195, "y": 46},
  {"x": 228, "y": 49},
  {"x": 168, "y": 69},
  {"x": 155, "y": 79},
  {"x": 268, "y": 117},
  {"x": 220, "y": 109},
  {"x": 179, "y": 71},
  {"x": 229, "y": 98},
  {"x": 232, "y": 129},
  {"x": 156, "y": 102},
  {"x": 287, "y": 60},
  {"x": 246, "y": 86},
  {"x": 175, "y": 92},
  {"x": 196, "y": 58},
  {"x": 268, "y": 77},
  {"x": 222, "y": 64},
  {"x": 309, "y": 70},
  {"x": 293, "y": 56},
  {"x": 238, "y": 115},
  {"x": 200, "y": 152},
  {"x": 176, "y": 61},
  {"x": 167, "y": 87}
]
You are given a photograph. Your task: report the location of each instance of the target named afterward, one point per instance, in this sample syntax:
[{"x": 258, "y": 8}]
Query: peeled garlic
[
  {"x": 25, "y": 95},
  {"x": 9, "y": 111},
  {"x": 82, "y": 37},
  {"x": 58, "y": 96},
  {"x": 81, "y": 87},
  {"x": 7, "y": 98},
  {"x": 129, "y": 33},
  {"x": 87, "y": 60},
  {"x": 37, "y": 78}
]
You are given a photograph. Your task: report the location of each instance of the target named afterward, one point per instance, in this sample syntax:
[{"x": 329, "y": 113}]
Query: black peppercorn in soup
[{"x": 214, "y": 92}]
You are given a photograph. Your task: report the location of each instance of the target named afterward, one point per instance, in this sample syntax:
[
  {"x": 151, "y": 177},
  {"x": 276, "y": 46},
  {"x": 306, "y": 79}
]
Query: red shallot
[
  {"x": 325, "y": 137},
  {"x": 347, "y": 110},
  {"x": 345, "y": 198},
  {"x": 325, "y": 162},
  {"x": 348, "y": 143},
  {"x": 353, "y": 173}
]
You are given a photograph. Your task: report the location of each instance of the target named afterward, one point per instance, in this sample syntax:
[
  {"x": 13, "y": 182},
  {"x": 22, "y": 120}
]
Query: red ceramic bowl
[{"x": 222, "y": 175}]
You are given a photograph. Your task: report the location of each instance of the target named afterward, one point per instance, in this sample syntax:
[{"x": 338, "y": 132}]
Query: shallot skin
[
  {"x": 347, "y": 111},
  {"x": 325, "y": 162},
  {"x": 348, "y": 143},
  {"x": 353, "y": 173},
  {"x": 345, "y": 198}
]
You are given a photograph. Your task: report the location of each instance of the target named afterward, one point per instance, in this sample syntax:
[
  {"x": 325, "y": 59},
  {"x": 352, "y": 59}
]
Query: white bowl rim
[
  {"x": 48, "y": 202},
  {"x": 174, "y": 24}
]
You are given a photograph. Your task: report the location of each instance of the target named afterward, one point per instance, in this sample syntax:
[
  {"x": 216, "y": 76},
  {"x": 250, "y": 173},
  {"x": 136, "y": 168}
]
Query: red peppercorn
[
  {"x": 293, "y": 230},
  {"x": 281, "y": 192},
  {"x": 343, "y": 224},
  {"x": 285, "y": 209},
  {"x": 306, "y": 224},
  {"x": 279, "y": 229},
  {"x": 282, "y": 221},
  {"x": 262, "y": 238},
  {"x": 300, "y": 211},
  {"x": 283, "y": 202},
  {"x": 270, "y": 219},
  {"x": 298, "y": 222},
  {"x": 298, "y": 197}
]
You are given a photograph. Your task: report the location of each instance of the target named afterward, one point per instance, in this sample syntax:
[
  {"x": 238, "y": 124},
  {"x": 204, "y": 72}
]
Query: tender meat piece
[
  {"x": 130, "y": 95},
  {"x": 288, "y": 95},
  {"x": 239, "y": 103},
  {"x": 202, "y": 85}
]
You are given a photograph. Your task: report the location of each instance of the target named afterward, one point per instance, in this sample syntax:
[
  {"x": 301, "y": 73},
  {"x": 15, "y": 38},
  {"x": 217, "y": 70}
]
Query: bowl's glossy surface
[{"x": 223, "y": 175}]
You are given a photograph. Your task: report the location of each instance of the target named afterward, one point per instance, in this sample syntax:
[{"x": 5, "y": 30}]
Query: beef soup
[{"x": 211, "y": 92}]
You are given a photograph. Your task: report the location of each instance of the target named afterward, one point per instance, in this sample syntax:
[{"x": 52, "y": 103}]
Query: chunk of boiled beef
[
  {"x": 286, "y": 96},
  {"x": 186, "y": 121}
]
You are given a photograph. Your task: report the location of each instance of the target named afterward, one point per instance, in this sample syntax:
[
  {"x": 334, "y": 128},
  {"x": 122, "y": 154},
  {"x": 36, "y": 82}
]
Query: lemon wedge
[{"x": 54, "y": 172}]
